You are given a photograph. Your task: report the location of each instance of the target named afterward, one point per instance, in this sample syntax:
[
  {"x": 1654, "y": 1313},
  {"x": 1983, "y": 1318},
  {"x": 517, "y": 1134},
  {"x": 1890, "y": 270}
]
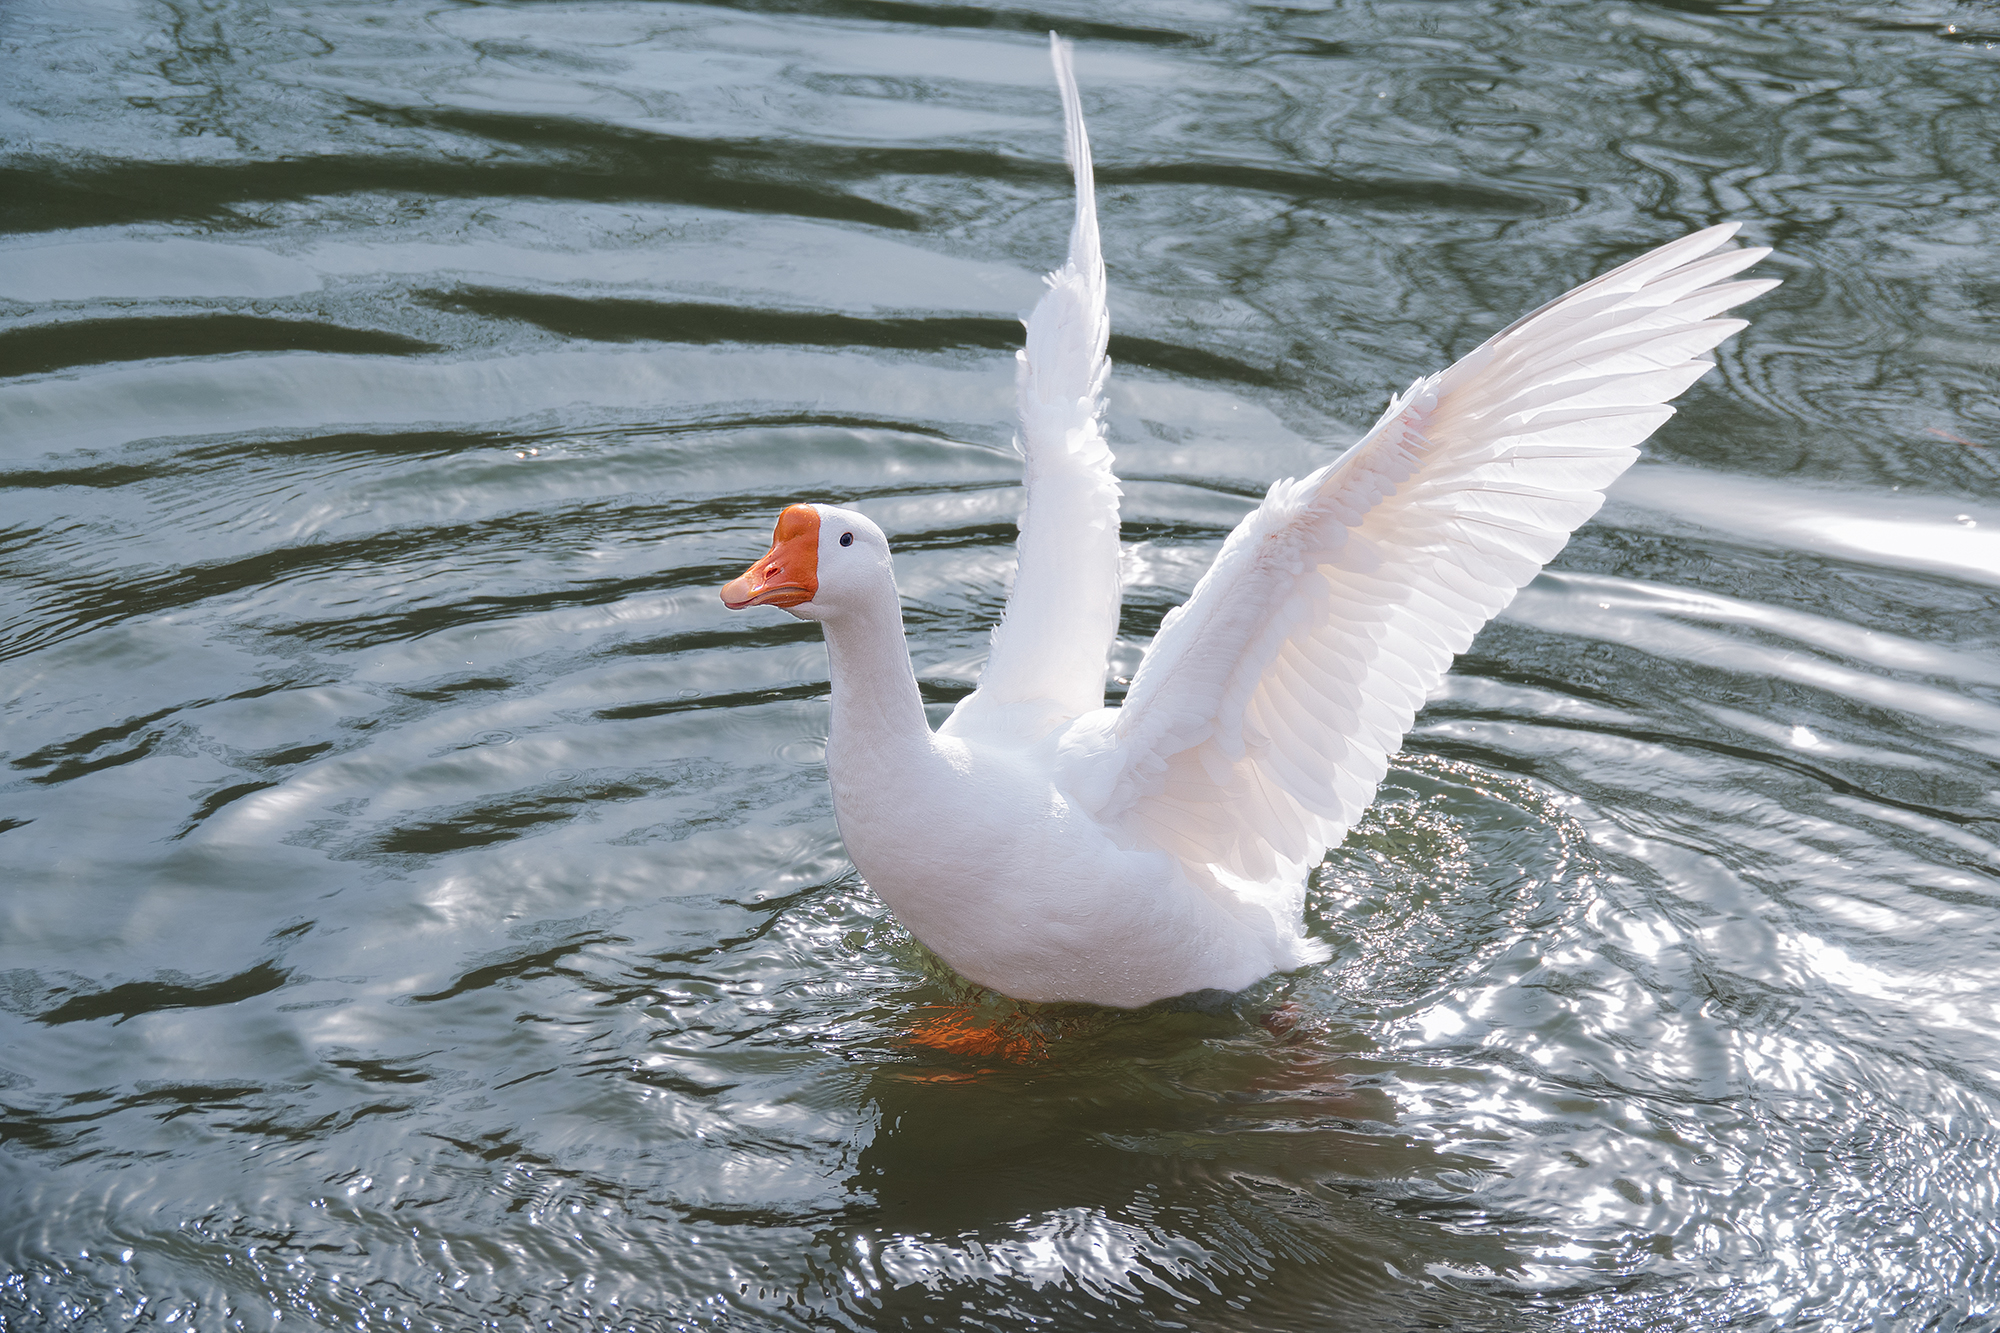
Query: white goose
[{"x": 1050, "y": 848}]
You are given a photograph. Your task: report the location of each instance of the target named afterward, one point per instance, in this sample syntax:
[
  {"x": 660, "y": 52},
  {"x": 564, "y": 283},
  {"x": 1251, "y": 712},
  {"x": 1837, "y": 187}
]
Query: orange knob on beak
[{"x": 789, "y": 572}]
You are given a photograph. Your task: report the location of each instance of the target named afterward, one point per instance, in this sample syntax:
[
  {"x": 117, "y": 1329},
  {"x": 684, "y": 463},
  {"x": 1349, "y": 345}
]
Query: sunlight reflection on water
[{"x": 424, "y": 905}]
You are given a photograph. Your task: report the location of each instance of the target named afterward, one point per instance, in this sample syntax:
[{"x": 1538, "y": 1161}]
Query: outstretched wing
[
  {"x": 1264, "y": 714},
  {"x": 1048, "y": 656}
]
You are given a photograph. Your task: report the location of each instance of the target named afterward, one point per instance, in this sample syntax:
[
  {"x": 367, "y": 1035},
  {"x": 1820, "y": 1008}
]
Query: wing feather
[
  {"x": 1048, "y": 657},
  {"x": 1263, "y": 716}
]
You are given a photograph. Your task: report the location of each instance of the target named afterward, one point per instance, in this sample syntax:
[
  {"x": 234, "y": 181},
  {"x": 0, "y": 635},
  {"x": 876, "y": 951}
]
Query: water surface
[{"x": 421, "y": 904}]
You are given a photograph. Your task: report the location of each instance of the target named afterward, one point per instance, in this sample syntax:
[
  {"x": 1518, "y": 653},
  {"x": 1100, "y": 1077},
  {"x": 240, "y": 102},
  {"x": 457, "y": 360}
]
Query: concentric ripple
[{"x": 420, "y": 903}]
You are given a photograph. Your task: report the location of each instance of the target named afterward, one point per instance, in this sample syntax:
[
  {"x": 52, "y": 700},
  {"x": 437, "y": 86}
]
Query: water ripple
[{"x": 424, "y": 905}]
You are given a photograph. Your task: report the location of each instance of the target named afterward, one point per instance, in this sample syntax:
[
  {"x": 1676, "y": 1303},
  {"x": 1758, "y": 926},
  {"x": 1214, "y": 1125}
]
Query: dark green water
[{"x": 420, "y": 906}]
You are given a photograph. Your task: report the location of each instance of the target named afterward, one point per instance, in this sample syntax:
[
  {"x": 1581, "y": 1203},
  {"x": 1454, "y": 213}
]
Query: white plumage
[
  {"x": 1047, "y": 663},
  {"x": 1055, "y": 849}
]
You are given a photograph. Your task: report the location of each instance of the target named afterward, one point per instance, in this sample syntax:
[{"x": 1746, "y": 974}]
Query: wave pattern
[{"x": 423, "y": 905}]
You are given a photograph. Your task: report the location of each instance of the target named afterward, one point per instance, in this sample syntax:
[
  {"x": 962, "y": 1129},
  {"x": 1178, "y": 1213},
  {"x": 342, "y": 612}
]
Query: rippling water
[{"x": 422, "y": 906}]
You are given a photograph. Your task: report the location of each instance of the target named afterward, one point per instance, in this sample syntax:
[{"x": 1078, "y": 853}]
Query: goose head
[{"x": 823, "y": 561}]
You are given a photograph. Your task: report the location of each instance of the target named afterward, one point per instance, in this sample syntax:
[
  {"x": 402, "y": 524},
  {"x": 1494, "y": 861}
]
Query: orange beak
[{"x": 789, "y": 572}]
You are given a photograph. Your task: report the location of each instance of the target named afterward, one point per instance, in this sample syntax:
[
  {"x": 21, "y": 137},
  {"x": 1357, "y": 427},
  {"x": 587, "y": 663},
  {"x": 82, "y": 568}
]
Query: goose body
[{"x": 1053, "y": 849}]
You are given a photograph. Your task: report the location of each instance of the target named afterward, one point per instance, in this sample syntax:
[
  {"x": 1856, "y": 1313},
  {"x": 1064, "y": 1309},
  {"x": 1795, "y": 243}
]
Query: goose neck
[{"x": 876, "y": 703}]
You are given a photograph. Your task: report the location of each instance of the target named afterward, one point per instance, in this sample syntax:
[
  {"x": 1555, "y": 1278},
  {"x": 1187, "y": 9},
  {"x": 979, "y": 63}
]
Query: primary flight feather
[{"x": 1054, "y": 849}]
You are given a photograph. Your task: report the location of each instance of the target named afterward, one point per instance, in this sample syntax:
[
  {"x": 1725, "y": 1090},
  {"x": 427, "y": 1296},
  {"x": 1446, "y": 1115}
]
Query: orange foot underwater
[{"x": 965, "y": 1032}]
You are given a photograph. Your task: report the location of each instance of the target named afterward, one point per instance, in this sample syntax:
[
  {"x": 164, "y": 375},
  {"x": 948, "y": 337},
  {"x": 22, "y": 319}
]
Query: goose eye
[{"x": 847, "y": 539}]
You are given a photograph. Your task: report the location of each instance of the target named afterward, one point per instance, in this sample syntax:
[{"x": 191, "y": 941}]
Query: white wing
[
  {"x": 1264, "y": 714},
  {"x": 1048, "y": 656}
]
